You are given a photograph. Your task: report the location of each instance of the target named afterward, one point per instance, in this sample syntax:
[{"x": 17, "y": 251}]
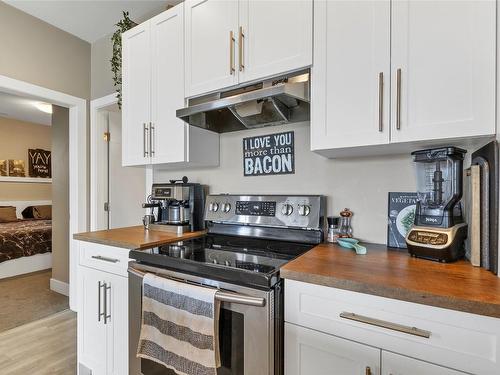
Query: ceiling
[
  {"x": 89, "y": 19},
  {"x": 19, "y": 108}
]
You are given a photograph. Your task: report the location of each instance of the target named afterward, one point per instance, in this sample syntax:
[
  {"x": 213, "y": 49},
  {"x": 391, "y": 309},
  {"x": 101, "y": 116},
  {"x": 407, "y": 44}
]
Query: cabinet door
[
  {"x": 136, "y": 86},
  {"x": 445, "y": 53},
  {"x": 394, "y": 364},
  {"x": 117, "y": 324},
  {"x": 167, "y": 42},
  {"x": 210, "y": 50},
  {"x": 311, "y": 352},
  {"x": 92, "y": 343},
  {"x": 275, "y": 37},
  {"x": 350, "y": 77}
]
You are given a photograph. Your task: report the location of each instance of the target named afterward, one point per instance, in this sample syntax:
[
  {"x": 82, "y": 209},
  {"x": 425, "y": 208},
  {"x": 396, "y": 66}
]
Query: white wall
[{"x": 359, "y": 184}]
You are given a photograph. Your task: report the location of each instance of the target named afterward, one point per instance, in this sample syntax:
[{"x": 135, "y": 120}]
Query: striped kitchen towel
[{"x": 180, "y": 326}]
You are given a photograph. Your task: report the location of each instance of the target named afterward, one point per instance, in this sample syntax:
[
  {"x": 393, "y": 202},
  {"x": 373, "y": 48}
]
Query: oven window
[{"x": 231, "y": 341}]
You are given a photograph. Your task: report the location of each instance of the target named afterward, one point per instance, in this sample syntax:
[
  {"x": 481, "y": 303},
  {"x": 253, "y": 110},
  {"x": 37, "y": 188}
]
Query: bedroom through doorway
[{"x": 34, "y": 210}]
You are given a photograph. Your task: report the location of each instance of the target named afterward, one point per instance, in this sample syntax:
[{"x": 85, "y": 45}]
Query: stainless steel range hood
[{"x": 276, "y": 101}]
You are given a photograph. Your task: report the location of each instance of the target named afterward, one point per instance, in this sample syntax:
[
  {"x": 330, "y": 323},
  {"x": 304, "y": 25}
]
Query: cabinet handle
[
  {"x": 398, "y": 99},
  {"x": 231, "y": 52},
  {"x": 144, "y": 142},
  {"x": 368, "y": 371},
  {"x": 380, "y": 101},
  {"x": 105, "y": 259},
  {"x": 240, "y": 50},
  {"x": 151, "y": 139},
  {"x": 384, "y": 324},
  {"x": 99, "y": 314},
  {"x": 106, "y": 315}
]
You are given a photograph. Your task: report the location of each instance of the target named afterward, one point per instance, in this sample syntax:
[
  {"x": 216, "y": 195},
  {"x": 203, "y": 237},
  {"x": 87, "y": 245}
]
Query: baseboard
[{"x": 59, "y": 287}]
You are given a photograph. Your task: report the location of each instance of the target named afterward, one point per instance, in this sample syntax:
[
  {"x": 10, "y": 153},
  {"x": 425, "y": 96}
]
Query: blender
[{"x": 439, "y": 231}]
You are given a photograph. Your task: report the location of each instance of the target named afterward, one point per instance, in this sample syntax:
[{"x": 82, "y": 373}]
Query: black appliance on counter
[
  {"x": 180, "y": 206},
  {"x": 439, "y": 230},
  {"x": 249, "y": 238}
]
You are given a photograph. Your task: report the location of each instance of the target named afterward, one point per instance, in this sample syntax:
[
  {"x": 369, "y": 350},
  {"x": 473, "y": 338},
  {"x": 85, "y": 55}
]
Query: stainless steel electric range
[{"x": 249, "y": 238}]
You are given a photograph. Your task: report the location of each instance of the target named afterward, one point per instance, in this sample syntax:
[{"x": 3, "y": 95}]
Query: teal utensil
[{"x": 351, "y": 243}]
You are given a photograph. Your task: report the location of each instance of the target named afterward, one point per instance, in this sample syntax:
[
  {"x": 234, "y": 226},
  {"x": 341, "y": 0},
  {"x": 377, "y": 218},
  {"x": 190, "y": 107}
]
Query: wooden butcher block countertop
[
  {"x": 395, "y": 274},
  {"x": 134, "y": 237}
]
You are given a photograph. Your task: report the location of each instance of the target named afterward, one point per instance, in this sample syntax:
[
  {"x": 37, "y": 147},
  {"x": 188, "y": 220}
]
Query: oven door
[{"x": 246, "y": 327}]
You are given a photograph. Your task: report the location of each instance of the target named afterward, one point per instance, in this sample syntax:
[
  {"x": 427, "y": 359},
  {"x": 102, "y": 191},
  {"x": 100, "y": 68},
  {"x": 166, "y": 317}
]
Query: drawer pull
[
  {"x": 384, "y": 324},
  {"x": 106, "y": 259}
]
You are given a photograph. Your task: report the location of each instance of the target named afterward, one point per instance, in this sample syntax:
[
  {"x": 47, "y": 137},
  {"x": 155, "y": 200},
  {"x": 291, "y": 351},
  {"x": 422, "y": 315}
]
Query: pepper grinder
[
  {"x": 345, "y": 223},
  {"x": 333, "y": 228}
]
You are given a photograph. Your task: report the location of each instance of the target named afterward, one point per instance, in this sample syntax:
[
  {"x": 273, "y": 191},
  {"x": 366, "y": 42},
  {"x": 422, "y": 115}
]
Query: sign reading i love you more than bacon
[
  {"x": 39, "y": 162},
  {"x": 269, "y": 154}
]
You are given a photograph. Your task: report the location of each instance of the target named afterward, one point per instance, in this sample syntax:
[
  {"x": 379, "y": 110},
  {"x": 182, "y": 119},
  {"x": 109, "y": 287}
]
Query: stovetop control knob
[
  {"x": 214, "y": 261},
  {"x": 287, "y": 209},
  {"x": 227, "y": 263},
  {"x": 226, "y": 207},
  {"x": 214, "y": 206},
  {"x": 304, "y": 210}
]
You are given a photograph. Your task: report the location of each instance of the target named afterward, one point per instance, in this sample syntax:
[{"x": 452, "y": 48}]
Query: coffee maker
[
  {"x": 439, "y": 230},
  {"x": 179, "y": 205}
]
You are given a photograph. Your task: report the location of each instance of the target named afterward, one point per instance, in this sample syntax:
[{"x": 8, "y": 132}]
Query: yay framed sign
[
  {"x": 39, "y": 163},
  {"x": 269, "y": 154}
]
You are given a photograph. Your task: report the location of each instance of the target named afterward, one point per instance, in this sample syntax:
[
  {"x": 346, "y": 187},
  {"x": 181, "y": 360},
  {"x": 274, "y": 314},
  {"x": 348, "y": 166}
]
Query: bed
[{"x": 25, "y": 245}]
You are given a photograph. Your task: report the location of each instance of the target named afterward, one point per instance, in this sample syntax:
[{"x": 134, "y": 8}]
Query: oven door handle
[{"x": 221, "y": 296}]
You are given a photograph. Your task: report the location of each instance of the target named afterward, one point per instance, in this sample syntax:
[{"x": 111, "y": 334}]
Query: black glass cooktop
[{"x": 241, "y": 260}]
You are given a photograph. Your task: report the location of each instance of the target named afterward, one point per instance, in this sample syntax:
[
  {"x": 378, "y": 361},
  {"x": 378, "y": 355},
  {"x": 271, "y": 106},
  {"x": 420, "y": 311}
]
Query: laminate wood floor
[
  {"x": 27, "y": 298},
  {"x": 44, "y": 347}
]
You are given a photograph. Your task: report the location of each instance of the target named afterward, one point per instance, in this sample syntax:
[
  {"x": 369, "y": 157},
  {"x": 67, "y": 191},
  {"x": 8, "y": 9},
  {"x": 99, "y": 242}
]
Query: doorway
[{"x": 117, "y": 192}]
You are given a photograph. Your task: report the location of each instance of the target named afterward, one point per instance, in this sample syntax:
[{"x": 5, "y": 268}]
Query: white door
[
  {"x": 211, "y": 35},
  {"x": 309, "y": 352},
  {"x": 445, "y": 53},
  {"x": 127, "y": 186},
  {"x": 275, "y": 37},
  {"x": 350, "y": 77},
  {"x": 117, "y": 324},
  {"x": 394, "y": 364},
  {"x": 136, "y": 77},
  {"x": 92, "y": 335},
  {"x": 167, "y": 43}
]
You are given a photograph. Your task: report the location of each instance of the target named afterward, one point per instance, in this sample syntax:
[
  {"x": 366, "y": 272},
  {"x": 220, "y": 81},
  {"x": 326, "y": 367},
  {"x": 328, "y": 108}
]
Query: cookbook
[{"x": 400, "y": 214}]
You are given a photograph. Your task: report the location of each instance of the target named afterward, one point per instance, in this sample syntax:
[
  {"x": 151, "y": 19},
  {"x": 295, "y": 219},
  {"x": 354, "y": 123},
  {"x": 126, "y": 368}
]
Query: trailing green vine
[{"x": 116, "y": 61}]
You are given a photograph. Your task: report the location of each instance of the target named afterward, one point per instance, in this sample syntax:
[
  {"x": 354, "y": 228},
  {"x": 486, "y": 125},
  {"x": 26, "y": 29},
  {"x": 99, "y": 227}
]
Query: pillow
[
  {"x": 28, "y": 212},
  {"x": 7, "y": 214},
  {"x": 42, "y": 212}
]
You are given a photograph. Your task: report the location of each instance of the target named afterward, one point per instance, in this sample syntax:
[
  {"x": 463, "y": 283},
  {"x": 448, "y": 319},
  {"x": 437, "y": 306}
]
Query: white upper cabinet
[
  {"x": 136, "y": 105},
  {"x": 234, "y": 42},
  {"x": 167, "y": 35},
  {"x": 351, "y": 74},
  {"x": 153, "y": 89},
  {"x": 422, "y": 73},
  {"x": 273, "y": 37},
  {"x": 211, "y": 32},
  {"x": 445, "y": 53}
]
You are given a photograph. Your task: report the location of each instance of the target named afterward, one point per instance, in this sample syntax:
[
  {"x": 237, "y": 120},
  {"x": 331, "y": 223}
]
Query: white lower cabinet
[
  {"x": 330, "y": 328},
  {"x": 102, "y": 313},
  {"x": 309, "y": 352},
  {"x": 395, "y": 364}
]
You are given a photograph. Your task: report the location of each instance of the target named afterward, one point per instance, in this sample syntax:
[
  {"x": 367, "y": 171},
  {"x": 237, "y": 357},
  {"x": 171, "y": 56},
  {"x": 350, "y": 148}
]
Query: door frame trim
[
  {"x": 77, "y": 161},
  {"x": 97, "y": 149}
]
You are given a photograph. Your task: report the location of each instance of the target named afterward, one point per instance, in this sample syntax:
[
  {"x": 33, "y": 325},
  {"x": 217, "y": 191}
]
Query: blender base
[{"x": 421, "y": 242}]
